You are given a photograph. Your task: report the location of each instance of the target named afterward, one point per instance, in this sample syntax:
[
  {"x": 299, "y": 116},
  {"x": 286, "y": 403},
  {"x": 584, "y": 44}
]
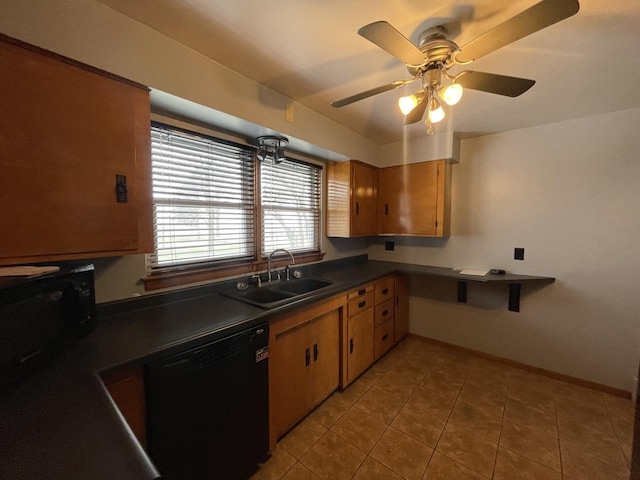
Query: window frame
[{"x": 205, "y": 271}]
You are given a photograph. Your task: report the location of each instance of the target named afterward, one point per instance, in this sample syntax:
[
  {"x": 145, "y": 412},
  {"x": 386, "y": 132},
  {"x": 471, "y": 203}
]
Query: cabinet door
[
  {"x": 67, "y": 132},
  {"x": 127, "y": 391},
  {"x": 408, "y": 199},
  {"x": 325, "y": 356},
  {"x": 360, "y": 343},
  {"x": 402, "y": 307},
  {"x": 364, "y": 197},
  {"x": 305, "y": 368}
]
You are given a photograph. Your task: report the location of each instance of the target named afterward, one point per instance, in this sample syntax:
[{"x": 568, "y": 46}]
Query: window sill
[{"x": 174, "y": 279}]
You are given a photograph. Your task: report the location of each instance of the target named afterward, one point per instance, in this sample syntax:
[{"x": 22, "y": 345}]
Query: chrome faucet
[{"x": 293, "y": 262}]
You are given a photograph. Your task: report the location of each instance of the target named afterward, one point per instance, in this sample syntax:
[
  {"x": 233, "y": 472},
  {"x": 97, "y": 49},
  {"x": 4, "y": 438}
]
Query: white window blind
[
  {"x": 290, "y": 194},
  {"x": 203, "y": 198}
]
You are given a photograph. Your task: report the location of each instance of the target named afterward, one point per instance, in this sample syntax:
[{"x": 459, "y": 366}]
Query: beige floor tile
[
  {"x": 619, "y": 407},
  {"x": 415, "y": 423},
  {"x": 532, "y": 417},
  {"x": 371, "y": 469},
  {"x": 510, "y": 466},
  {"x": 442, "y": 384},
  {"x": 586, "y": 438},
  {"x": 431, "y": 403},
  {"x": 624, "y": 433},
  {"x": 593, "y": 415},
  {"x": 465, "y": 447},
  {"x": 300, "y": 472},
  {"x": 409, "y": 372},
  {"x": 532, "y": 380},
  {"x": 477, "y": 418},
  {"x": 385, "y": 363},
  {"x": 274, "y": 468},
  {"x": 380, "y": 405},
  {"x": 331, "y": 410},
  {"x": 302, "y": 437},
  {"x": 490, "y": 401},
  {"x": 578, "y": 464},
  {"x": 451, "y": 369},
  {"x": 531, "y": 444},
  {"x": 359, "y": 428},
  {"x": 333, "y": 458},
  {"x": 395, "y": 385},
  {"x": 402, "y": 454},
  {"x": 443, "y": 468},
  {"x": 526, "y": 393},
  {"x": 582, "y": 395}
]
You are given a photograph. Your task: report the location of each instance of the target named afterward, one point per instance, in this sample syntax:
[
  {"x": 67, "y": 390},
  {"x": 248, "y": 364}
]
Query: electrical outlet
[{"x": 518, "y": 253}]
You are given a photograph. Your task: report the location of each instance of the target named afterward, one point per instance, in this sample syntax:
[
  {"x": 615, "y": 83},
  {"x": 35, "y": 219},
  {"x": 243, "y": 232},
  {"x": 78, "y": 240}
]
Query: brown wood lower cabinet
[
  {"x": 126, "y": 388},
  {"x": 304, "y": 359}
]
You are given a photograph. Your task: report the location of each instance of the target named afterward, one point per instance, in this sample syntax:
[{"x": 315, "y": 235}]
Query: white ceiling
[{"x": 310, "y": 52}]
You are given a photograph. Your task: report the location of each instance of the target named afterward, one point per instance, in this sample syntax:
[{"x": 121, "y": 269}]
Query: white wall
[{"x": 569, "y": 193}]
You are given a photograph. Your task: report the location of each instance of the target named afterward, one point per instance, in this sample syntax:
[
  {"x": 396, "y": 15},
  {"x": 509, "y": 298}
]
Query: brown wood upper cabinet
[
  {"x": 414, "y": 199},
  {"x": 67, "y": 131},
  {"x": 352, "y": 199},
  {"x": 411, "y": 199}
]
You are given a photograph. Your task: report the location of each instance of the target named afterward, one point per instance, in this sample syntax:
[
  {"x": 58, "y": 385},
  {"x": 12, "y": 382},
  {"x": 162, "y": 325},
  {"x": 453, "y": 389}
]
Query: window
[{"x": 206, "y": 207}]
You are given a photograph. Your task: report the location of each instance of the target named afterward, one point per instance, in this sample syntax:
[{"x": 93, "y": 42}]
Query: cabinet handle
[
  {"x": 385, "y": 336},
  {"x": 307, "y": 358},
  {"x": 397, "y": 300},
  {"x": 386, "y": 209},
  {"x": 357, "y": 208},
  {"x": 315, "y": 352},
  {"x": 362, "y": 304},
  {"x": 351, "y": 346},
  {"x": 384, "y": 314},
  {"x": 385, "y": 291},
  {"x": 362, "y": 292}
]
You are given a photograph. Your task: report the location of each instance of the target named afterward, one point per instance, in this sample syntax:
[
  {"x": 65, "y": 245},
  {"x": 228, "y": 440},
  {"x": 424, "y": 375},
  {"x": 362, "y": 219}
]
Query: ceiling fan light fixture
[
  {"x": 436, "y": 113},
  {"x": 451, "y": 94},
  {"x": 408, "y": 103}
]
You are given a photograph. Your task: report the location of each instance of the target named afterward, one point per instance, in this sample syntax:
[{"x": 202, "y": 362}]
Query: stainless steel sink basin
[{"x": 276, "y": 294}]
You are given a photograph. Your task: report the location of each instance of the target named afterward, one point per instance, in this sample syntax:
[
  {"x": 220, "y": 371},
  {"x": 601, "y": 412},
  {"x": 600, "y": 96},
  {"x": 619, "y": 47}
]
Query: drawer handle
[
  {"x": 351, "y": 346},
  {"x": 385, "y": 291},
  {"x": 385, "y": 336},
  {"x": 386, "y": 209},
  {"x": 357, "y": 208},
  {"x": 362, "y": 304},
  {"x": 315, "y": 352},
  {"x": 384, "y": 314},
  {"x": 362, "y": 292},
  {"x": 307, "y": 357}
]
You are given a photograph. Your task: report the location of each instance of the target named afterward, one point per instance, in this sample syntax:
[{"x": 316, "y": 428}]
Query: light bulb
[
  {"x": 451, "y": 94},
  {"x": 408, "y": 103},
  {"x": 436, "y": 115}
]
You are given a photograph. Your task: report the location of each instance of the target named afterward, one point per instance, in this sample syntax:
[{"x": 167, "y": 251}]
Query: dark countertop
[{"x": 61, "y": 423}]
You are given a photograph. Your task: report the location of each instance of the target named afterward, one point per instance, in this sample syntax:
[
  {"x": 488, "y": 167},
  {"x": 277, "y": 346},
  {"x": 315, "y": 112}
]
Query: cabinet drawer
[
  {"x": 360, "y": 292},
  {"x": 360, "y": 303},
  {"x": 383, "y": 339},
  {"x": 384, "y": 290},
  {"x": 384, "y": 312}
]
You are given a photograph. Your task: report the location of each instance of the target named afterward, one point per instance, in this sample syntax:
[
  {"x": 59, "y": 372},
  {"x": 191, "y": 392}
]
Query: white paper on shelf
[
  {"x": 475, "y": 273},
  {"x": 26, "y": 271}
]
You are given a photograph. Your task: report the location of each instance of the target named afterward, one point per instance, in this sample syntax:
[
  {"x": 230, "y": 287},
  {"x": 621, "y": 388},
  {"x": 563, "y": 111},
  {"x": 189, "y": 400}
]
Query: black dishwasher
[{"x": 208, "y": 409}]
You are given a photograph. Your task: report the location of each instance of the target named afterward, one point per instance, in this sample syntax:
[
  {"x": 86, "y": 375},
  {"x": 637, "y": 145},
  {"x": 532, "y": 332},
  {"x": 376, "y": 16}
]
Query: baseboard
[{"x": 541, "y": 371}]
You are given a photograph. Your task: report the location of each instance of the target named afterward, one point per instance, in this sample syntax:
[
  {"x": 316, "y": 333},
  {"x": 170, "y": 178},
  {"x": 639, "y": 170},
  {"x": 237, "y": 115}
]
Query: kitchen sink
[
  {"x": 304, "y": 285},
  {"x": 276, "y": 294}
]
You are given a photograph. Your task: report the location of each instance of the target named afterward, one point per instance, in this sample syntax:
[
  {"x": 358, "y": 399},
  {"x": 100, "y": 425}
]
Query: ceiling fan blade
[
  {"x": 416, "y": 114},
  {"x": 492, "y": 83},
  {"x": 536, "y": 18},
  {"x": 369, "y": 93},
  {"x": 392, "y": 41}
]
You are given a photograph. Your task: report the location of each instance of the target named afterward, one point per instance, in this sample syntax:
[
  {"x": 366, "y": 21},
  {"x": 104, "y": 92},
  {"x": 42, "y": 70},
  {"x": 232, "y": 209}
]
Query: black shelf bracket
[
  {"x": 462, "y": 292},
  {"x": 514, "y": 297}
]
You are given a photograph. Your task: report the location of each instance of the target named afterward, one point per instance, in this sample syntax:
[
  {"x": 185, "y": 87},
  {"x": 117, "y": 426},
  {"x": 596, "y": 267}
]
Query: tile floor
[{"x": 428, "y": 412}]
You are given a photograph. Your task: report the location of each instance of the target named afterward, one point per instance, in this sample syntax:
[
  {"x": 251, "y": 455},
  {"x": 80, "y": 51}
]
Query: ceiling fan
[{"x": 435, "y": 54}]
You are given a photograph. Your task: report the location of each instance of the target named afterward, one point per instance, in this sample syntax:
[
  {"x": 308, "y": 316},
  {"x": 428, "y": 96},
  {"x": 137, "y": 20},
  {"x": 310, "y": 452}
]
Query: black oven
[{"x": 41, "y": 316}]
